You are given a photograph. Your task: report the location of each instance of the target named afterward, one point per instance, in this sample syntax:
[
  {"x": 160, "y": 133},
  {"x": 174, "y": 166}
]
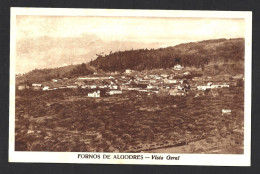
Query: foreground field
[{"x": 132, "y": 122}]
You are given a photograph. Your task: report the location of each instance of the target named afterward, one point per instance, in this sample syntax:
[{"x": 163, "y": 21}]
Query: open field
[{"x": 66, "y": 120}]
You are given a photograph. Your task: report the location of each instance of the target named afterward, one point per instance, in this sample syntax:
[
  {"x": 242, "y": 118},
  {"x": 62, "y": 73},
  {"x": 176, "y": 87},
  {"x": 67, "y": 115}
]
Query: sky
[{"x": 54, "y": 41}]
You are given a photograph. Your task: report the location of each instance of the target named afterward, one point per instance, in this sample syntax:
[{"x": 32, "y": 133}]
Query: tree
[{"x": 177, "y": 60}]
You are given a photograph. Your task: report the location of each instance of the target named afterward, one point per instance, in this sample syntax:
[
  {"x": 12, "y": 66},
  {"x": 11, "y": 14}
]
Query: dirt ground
[{"x": 225, "y": 146}]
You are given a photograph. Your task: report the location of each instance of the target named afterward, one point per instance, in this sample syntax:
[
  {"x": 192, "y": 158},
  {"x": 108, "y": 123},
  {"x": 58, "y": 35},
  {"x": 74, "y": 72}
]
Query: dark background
[{"x": 226, "y": 5}]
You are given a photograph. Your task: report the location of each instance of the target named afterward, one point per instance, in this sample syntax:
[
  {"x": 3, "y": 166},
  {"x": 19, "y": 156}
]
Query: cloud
[
  {"x": 50, "y": 52},
  {"x": 51, "y": 41}
]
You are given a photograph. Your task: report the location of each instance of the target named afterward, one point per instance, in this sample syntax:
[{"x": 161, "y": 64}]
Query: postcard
[{"x": 111, "y": 86}]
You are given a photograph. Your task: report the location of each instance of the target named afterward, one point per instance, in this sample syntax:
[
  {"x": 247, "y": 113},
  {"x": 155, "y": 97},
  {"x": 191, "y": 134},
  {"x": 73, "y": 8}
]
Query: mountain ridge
[
  {"x": 197, "y": 54},
  {"x": 194, "y": 54}
]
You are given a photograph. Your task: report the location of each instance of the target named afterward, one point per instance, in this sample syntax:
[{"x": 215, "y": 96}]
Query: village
[
  {"x": 178, "y": 83},
  {"x": 133, "y": 112}
]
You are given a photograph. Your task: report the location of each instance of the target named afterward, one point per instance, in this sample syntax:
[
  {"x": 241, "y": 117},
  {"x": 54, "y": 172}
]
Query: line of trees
[{"x": 196, "y": 54}]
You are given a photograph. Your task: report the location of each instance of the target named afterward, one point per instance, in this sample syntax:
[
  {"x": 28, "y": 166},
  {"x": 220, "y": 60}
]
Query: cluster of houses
[
  {"x": 212, "y": 86},
  {"x": 161, "y": 84}
]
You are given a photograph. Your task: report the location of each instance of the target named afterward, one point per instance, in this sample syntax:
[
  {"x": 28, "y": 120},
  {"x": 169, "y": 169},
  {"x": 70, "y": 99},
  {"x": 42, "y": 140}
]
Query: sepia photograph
[{"x": 130, "y": 86}]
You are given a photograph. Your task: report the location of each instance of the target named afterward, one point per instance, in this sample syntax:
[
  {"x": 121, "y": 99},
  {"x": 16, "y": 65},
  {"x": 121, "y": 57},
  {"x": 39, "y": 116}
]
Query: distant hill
[
  {"x": 229, "y": 53},
  {"x": 195, "y": 54},
  {"x": 41, "y": 75}
]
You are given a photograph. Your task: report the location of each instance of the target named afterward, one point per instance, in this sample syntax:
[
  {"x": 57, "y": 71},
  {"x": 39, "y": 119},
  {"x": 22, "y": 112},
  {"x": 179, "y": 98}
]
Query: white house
[
  {"x": 102, "y": 86},
  {"x": 220, "y": 86},
  {"x": 21, "y": 87},
  {"x": 84, "y": 86},
  {"x": 123, "y": 87},
  {"x": 165, "y": 75},
  {"x": 178, "y": 67},
  {"x": 115, "y": 92},
  {"x": 128, "y": 71},
  {"x": 146, "y": 77},
  {"x": 197, "y": 79},
  {"x": 37, "y": 84},
  {"x": 45, "y": 88},
  {"x": 143, "y": 90},
  {"x": 92, "y": 86},
  {"x": 133, "y": 89},
  {"x": 72, "y": 86},
  {"x": 152, "y": 81},
  {"x": 179, "y": 87},
  {"x": 186, "y": 73},
  {"x": 152, "y": 76},
  {"x": 113, "y": 87},
  {"x": 94, "y": 94},
  {"x": 139, "y": 78},
  {"x": 80, "y": 83},
  {"x": 152, "y": 87},
  {"x": 238, "y": 76},
  {"x": 210, "y": 86},
  {"x": 203, "y": 88},
  {"x": 176, "y": 92},
  {"x": 93, "y": 78},
  {"x": 170, "y": 81},
  {"x": 226, "y": 111}
]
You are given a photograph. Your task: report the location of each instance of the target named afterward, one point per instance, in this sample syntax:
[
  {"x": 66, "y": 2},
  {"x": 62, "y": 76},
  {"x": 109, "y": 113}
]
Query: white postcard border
[{"x": 184, "y": 159}]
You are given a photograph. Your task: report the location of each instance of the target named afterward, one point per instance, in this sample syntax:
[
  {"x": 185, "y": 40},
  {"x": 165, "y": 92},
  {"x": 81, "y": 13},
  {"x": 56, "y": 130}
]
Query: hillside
[
  {"x": 195, "y": 54},
  {"x": 207, "y": 55},
  {"x": 41, "y": 75}
]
